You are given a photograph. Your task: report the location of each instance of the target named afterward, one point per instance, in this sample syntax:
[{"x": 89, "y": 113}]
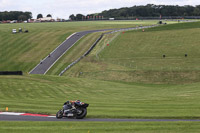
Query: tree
[
  {"x": 22, "y": 18},
  {"x": 39, "y": 16},
  {"x": 49, "y": 15},
  {"x": 79, "y": 17},
  {"x": 189, "y": 9},
  {"x": 151, "y": 10},
  {"x": 72, "y": 17},
  {"x": 15, "y": 15},
  {"x": 28, "y": 15},
  {"x": 197, "y": 10}
]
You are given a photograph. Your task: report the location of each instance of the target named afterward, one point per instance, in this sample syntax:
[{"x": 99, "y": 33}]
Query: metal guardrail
[
  {"x": 85, "y": 54},
  {"x": 11, "y": 73}
]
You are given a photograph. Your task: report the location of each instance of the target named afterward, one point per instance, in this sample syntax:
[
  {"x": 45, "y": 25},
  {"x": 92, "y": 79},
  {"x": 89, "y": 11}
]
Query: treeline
[
  {"x": 149, "y": 10},
  {"x": 152, "y": 10},
  {"x": 79, "y": 17},
  {"x": 15, "y": 15}
]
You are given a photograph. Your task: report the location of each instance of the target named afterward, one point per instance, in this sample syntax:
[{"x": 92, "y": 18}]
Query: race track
[
  {"x": 49, "y": 61},
  {"x": 53, "y": 57},
  {"x": 39, "y": 118}
]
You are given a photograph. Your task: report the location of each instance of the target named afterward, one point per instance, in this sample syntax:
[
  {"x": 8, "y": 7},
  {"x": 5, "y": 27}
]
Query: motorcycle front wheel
[{"x": 82, "y": 113}]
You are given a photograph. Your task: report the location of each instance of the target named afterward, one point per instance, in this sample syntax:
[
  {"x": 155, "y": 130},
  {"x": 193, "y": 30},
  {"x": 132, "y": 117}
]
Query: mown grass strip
[
  {"x": 46, "y": 94},
  {"x": 99, "y": 127}
]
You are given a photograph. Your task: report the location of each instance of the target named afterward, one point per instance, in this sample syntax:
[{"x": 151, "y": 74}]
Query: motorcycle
[{"x": 75, "y": 109}]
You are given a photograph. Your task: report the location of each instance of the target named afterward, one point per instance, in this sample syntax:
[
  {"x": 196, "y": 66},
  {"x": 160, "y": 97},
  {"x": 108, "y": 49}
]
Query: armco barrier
[
  {"x": 11, "y": 73},
  {"x": 76, "y": 61},
  {"x": 94, "y": 45}
]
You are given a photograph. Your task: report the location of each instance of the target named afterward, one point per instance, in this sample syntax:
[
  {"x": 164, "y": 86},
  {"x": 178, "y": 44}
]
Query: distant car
[
  {"x": 20, "y": 30},
  {"x": 14, "y": 31},
  {"x": 25, "y": 31}
]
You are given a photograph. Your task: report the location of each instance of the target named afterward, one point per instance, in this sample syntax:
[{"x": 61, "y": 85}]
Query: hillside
[
  {"x": 137, "y": 56},
  {"x": 46, "y": 94},
  {"x": 127, "y": 79},
  {"x": 140, "y": 82},
  {"x": 25, "y": 50}
]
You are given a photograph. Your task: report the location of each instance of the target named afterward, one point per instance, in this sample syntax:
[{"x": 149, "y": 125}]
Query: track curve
[
  {"x": 49, "y": 61},
  {"x": 38, "y": 118}
]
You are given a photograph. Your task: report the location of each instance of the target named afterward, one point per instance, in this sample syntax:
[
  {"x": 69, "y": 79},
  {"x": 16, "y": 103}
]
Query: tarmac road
[
  {"x": 49, "y": 61},
  {"x": 36, "y": 118}
]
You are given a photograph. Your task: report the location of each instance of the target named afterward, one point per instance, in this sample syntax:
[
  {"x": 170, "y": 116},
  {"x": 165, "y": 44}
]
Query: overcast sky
[{"x": 64, "y": 8}]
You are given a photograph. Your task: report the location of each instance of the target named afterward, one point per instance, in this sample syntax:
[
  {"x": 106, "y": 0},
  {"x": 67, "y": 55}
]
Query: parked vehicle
[
  {"x": 14, "y": 31},
  {"x": 73, "y": 109}
]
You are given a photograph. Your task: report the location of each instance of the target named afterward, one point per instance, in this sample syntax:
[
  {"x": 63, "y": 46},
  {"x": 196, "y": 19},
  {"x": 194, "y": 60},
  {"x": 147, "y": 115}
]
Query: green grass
[
  {"x": 141, "y": 84},
  {"x": 177, "y": 26},
  {"x": 136, "y": 56},
  {"x": 124, "y": 60},
  {"x": 46, "y": 94},
  {"x": 100, "y": 127},
  {"x": 74, "y": 53},
  {"x": 24, "y": 51}
]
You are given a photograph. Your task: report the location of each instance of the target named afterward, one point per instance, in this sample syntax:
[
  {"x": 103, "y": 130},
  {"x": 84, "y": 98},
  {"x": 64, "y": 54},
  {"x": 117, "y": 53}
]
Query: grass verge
[{"x": 100, "y": 127}]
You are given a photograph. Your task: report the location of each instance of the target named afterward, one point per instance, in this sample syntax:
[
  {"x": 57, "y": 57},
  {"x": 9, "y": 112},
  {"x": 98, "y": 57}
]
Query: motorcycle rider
[
  {"x": 73, "y": 109},
  {"x": 71, "y": 104}
]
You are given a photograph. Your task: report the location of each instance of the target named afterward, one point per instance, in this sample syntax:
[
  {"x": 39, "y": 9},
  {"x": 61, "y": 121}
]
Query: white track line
[
  {"x": 10, "y": 113},
  {"x": 15, "y": 114},
  {"x": 51, "y": 116},
  {"x": 53, "y": 51},
  {"x": 125, "y": 29},
  {"x": 63, "y": 54}
]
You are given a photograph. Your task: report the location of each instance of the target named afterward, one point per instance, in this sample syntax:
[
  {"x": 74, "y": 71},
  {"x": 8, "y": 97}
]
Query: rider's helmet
[{"x": 78, "y": 100}]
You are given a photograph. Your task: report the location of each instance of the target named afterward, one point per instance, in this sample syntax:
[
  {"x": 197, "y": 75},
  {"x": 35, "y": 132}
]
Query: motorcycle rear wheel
[{"x": 59, "y": 114}]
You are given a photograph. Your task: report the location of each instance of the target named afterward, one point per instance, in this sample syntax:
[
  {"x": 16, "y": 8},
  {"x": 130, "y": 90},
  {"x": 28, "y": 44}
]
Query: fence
[
  {"x": 76, "y": 61},
  {"x": 11, "y": 73}
]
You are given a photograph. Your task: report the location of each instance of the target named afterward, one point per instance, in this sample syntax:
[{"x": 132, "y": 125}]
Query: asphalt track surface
[
  {"x": 53, "y": 57},
  {"x": 35, "y": 118},
  {"x": 49, "y": 61}
]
